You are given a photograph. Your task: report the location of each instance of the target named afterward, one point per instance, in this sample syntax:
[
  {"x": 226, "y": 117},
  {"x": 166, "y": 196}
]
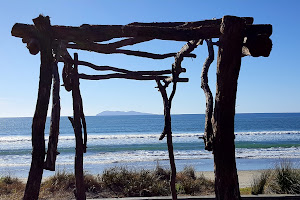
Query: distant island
[{"x": 121, "y": 113}]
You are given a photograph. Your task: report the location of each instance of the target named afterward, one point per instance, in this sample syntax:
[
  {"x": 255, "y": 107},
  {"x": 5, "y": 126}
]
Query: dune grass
[
  {"x": 114, "y": 182},
  {"x": 283, "y": 179},
  {"x": 11, "y": 188}
]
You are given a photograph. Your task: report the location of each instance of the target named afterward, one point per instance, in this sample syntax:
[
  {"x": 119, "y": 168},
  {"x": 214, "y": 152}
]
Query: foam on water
[{"x": 117, "y": 140}]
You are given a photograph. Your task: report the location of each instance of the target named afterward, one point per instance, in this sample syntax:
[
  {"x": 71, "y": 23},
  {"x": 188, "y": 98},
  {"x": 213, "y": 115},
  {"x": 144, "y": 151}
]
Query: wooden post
[
  {"x": 54, "y": 124},
  {"x": 228, "y": 67},
  {"x": 76, "y": 122},
  {"x": 38, "y": 123},
  {"x": 168, "y": 131}
]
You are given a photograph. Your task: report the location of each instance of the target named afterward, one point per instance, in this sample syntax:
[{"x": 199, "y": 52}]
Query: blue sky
[{"x": 265, "y": 84}]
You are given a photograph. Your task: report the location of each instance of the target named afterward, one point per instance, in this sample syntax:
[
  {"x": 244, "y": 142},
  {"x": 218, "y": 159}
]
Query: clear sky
[{"x": 265, "y": 84}]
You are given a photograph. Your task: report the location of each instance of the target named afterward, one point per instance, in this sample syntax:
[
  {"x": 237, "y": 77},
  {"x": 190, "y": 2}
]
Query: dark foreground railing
[{"x": 244, "y": 197}]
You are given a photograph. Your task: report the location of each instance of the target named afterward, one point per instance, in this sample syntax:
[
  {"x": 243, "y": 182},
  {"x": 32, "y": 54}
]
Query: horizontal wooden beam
[
  {"x": 98, "y": 33},
  {"x": 132, "y": 76},
  {"x": 212, "y": 22},
  {"x": 115, "y": 69}
]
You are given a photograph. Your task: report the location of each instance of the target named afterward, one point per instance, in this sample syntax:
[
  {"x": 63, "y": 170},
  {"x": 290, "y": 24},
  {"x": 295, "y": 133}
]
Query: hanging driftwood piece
[
  {"x": 32, "y": 189},
  {"x": 77, "y": 126},
  {"x": 54, "y": 124},
  {"x": 208, "y": 131}
]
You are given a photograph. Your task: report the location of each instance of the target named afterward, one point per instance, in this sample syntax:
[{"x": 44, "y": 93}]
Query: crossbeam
[{"x": 99, "y": 33}]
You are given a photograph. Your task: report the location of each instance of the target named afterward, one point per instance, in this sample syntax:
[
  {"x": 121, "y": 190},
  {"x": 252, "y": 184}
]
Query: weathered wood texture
[
  {"x": 115, "y": 69},
  {"x": 99, "y": 48},
  {"x": 210, "y": 22},
  {"x": 168, "y": 131},
  {"x": 257, "y": 45},
  {"x": 54, "y": 124},
  {"x": 128, "y": 76},
  {"x": 98, "y": 33},
  {"x": 208, "y": 131},
  {"x": 42, "y": 24},
  {"x": 167, "y": 101},
  {"x": 228, "y": 67},
  {"x": 77, "y": 126}
]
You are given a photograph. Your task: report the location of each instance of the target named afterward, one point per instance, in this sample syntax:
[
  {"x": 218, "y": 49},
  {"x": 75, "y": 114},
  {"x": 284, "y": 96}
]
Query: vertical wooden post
[
  {"x": 228, "y": 67},
  {"x": 54, "y": 124},
  {"x": 77, "y": 107},
  {"x": 38, "y": 123},
  {"x": 168, "y": 131}
]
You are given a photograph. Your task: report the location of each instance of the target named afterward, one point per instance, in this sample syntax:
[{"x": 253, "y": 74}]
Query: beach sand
[{"x": 245, "y": 177}]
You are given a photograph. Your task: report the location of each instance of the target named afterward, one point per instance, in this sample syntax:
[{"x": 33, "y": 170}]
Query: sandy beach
[{"x": 245, "y": 177}]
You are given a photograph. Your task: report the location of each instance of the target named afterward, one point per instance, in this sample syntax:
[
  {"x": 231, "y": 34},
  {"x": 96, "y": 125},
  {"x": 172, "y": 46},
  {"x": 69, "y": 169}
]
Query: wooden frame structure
[{"x": 237, "y": 37}]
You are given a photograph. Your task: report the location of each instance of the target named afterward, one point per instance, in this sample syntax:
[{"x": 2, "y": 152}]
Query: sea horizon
[{"x": 298, "y": 112}]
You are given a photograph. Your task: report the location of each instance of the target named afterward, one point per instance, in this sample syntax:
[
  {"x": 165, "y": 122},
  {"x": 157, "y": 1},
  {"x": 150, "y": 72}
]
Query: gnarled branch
[
  {"x": 101, "y": 49},
  {"x": 208, "y": 131}
]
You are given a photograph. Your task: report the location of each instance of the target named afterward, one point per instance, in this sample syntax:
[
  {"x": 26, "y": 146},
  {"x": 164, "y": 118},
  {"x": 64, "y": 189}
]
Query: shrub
[
  {"x": 188, "y": 183},
  {"x": 62, "y": 180},
  {"x": 284, "y": 179},
  {"x": 287, "y": 178},
  {"x": 162, "y": 174},
  {"x": 189, "y": 171},
  {"x": 259, "y": 183},
  {"x": 11, "y": 188},
  {"x": 123, "y": 182}
]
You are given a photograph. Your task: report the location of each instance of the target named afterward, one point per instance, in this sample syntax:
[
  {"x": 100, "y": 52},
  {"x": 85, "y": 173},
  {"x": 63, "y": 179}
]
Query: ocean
[{"x": 262, "y": 140}]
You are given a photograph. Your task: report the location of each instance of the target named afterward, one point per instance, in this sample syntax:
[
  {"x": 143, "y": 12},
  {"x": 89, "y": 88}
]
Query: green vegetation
[
  {"x": 114, "y": 182},
  {"x": 245, "y": 191},
  {"x": 125, "y": 183},
  {"x": 122, "y": 182},
  {"x": 10, "y": 188},
  {"x": 284, "y": 179}
]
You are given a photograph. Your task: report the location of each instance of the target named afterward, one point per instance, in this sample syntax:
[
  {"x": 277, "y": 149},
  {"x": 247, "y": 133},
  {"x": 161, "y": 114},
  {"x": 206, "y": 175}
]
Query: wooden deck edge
[{"x": 244, "y": 197}]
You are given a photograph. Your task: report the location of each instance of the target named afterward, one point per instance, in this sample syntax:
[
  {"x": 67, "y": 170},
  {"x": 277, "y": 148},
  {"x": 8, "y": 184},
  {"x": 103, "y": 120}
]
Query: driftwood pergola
[{"x": 237, "y": 37}]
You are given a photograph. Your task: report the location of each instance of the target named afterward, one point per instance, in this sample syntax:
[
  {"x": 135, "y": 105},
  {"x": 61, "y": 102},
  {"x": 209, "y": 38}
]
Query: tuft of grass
[
  {"x": 124, "y": 182},
  {"x": 188, "y": 183},
  {"x": 189, "y": 171},
  {"x": 284, "y": 179},
  {"x": 246, "y": 191},
  {"x": 259, "y": 183},
  {"x": 61, "y": 181},
  {"x": 287, "y": 178},
  {"x": 62, "y": 185},
  {"x": 162, "y": 174},
  {"x": 11, "y": 188}
]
